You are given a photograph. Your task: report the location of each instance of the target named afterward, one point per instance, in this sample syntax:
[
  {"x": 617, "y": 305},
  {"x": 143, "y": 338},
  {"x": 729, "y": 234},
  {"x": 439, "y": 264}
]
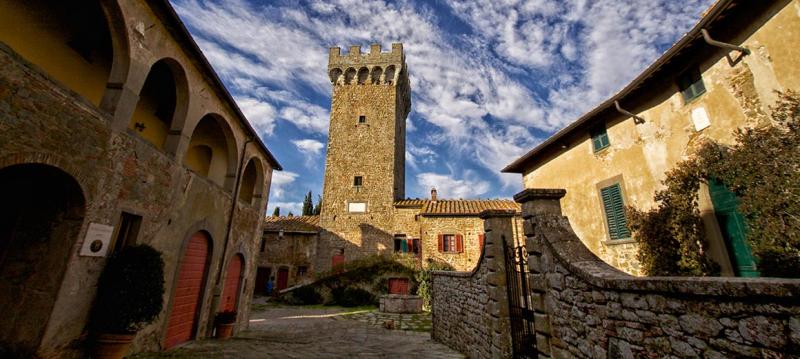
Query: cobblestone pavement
[{"x": 320, "y": 332}]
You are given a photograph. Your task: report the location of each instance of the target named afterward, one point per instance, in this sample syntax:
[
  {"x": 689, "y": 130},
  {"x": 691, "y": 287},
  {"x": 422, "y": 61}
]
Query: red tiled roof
[
  {"x": 292, "y": 224},
  {"x": 458, "y": 207}
]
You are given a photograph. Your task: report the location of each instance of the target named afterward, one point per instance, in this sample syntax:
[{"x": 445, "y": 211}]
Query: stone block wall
[
  {"x": 470, "y": 309},
  {"x": 587, "y": 309}
]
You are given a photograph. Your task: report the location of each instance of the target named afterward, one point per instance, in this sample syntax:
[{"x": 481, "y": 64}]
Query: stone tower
[{"x": 365, "y": 164}]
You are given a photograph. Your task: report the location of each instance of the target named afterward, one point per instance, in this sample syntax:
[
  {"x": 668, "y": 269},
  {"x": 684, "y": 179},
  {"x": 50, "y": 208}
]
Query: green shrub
[
  {"x": 763, "y": 169},
  {"x": 305, "y": 295},
  {"x": 129, "y": 291},
  {"x": 352, "y": 297},
  {"x": 423, "y": 278}
]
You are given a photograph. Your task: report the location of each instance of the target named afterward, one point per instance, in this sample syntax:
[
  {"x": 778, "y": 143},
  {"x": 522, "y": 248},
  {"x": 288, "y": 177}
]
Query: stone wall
[
  {"x": 290, "y": 251},
  {"x": 470, "y": 309},
  {"x": 587, "y": 309}
]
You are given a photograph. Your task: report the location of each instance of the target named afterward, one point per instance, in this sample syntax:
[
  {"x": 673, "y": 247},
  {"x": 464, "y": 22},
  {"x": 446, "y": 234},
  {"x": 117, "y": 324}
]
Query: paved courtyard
[{"x": 321, "y": 332}]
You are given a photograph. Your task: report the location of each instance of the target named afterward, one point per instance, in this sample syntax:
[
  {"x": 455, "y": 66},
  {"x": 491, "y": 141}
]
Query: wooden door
[
  {"x": 283, "y": 278},
  {"x": 233, "y": 282},
  {"x": 733, "y": 228},
  {"x": 262, "y": 276},
  {"x": 186, "y": 296},
  {"x": 398, "y": 285}
]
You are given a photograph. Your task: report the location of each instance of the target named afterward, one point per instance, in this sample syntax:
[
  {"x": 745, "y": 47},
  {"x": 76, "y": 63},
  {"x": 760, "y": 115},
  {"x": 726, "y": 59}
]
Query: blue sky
[{"x": 489, "y": 79}]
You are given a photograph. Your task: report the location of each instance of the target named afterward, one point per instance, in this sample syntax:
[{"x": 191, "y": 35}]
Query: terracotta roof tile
[
  {"x": 292, "y": 224},
  {"x": 458, "y": 207}
]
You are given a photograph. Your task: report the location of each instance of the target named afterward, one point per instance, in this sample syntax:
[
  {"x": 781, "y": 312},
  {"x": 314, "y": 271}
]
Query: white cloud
[
  {"x": 281, "y": 179},
  {"x": 296, "y": 208},
  {"x": 449, "y": 187},
  {"x": 260, "y": 114},
  {"x": 308, "y": 146}
]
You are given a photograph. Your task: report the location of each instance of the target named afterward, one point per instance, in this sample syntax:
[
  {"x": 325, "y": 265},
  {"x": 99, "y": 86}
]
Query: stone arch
[
  {"x": 73, "y": 42},
  {"x": 251, "y": 187},
  {"x": 363, "y": 75},
  {"x": 389, "y": 75},
  {"x": 335, "y": 75},
  {"x": 172, "y": 333},
  {"x": 213, "y": 133},
  {"x": 349, "y": 75},
  {"x": 41, "y": 217},
  {"x": 377, "y": 72},
  {"x": 162, "y": 106}
]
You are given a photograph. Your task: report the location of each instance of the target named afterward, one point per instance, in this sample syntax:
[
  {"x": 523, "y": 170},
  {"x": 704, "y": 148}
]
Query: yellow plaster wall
[
  {"x": 209, "y": 134},
  {"x": 640, "y": 155},
  {"x": 155, "y": 130},
  {"x": 41, "y": 39}
]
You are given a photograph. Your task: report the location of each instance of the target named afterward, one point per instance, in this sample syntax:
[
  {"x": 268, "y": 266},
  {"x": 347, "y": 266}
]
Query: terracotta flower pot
[
  {"x": 111, "y": 346},
  {"x": 225, "y": 331}
]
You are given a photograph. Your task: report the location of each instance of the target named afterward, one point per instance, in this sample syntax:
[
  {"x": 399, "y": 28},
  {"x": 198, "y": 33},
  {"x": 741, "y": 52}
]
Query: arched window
[
  {"x": 69, "y": 40},
  {"x": 335, "y": 74},
  {"x": 155, "y": 110},
  {"x": 349, "y": 75},
  {"x": 363, "y": 75},
  {"x": 377, "y": 71},
  {"x": 389, "y": 75},
  {"x": 252, "y": 181},
  {"x": 212, "y": 151}
]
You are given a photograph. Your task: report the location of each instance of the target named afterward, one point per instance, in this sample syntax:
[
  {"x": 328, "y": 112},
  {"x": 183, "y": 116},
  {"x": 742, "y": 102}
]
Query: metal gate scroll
[{"x": 523, "y": 337}]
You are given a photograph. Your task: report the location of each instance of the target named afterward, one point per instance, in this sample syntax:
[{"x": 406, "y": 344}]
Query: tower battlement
[{"x": 374, "y": 67}]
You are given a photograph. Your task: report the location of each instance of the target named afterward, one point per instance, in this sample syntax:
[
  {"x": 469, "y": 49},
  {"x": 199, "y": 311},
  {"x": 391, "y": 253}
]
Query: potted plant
[
  {"x": 224, "y": 322},
  {"x": 130, "y": 295}
]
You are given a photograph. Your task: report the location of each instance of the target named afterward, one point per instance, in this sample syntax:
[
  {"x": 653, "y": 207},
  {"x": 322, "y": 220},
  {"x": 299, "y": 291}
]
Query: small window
[
  {"x": 614, "y": 207},
  {"x": 451, "y": 243},
  {"x": 599, "y": 138},
  {"x": 301, "y": 271},
  {"x": 400, "y": 244},
  {"x": 128, "y": 230},
  {"x": 415, "y": 246},
  {"x": 691, "y": 84},
  {"x": 358, "y": 181},
  {"x": 362, "y": 119}
]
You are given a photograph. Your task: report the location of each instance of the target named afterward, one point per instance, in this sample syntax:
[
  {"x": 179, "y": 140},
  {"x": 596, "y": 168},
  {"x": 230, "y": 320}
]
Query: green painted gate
[{"x": 733, "y": 228}]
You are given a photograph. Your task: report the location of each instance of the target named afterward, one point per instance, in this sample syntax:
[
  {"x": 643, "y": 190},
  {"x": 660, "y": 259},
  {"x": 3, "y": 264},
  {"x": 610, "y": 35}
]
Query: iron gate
[{"x": 523, "y": 337}]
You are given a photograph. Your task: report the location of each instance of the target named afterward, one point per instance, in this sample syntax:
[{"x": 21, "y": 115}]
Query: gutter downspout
[
  {"x": 724, "y": 45},
  {"x": 636, "y": 119},
  {"x": 217, "y": 283}
]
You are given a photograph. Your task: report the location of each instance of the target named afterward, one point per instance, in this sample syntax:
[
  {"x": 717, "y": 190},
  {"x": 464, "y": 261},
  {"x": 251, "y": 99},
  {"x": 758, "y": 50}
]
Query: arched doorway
[
  {"x": 283, "y": 279},
  {"x": 187, "y": 294},
  {"x": 233, "y": 284},
  {"x": 41, "y": 214}
]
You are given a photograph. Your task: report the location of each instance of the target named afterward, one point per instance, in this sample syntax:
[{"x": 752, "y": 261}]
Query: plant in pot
[
  {"x": 130, "y": 295},
  {"x": 224, "y": 322}
]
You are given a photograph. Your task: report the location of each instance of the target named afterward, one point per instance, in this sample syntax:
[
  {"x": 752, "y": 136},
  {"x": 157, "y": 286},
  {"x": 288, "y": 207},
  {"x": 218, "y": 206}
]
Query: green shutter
[
  {"x": 599, "y": 139},
  {"x": 614, "y": 207}
]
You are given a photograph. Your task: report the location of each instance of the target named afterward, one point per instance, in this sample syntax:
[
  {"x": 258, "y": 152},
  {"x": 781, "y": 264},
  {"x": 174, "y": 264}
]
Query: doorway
[
  {"x": 41, "y": 214},
  {"x": 283, "y": 278},
  {"x": 733, "y": 227}
]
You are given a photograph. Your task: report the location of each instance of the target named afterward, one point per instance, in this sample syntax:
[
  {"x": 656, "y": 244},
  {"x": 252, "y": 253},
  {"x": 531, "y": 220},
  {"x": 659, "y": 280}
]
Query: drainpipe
[
  {"x": 636, "y": 119},
  {"x": 723, "y": 45},
  {"x": 217, "y": 284}
]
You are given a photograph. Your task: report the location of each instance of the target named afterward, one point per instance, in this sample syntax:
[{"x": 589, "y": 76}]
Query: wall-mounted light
[{"x": 139, "y": 126}]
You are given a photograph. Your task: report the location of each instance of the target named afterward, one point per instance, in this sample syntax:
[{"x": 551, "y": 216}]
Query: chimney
[{"x": 433, "y": 194}]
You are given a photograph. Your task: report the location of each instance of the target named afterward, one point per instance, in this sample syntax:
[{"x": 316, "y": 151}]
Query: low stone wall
[
  {"x": 470, "y": 309},
  {"x": 400, "y": 303},
  {"x": 587, "y": 309}
]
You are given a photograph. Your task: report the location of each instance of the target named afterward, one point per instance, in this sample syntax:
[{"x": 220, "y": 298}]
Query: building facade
[
  {"x": 364, "y": 210},
  {"x": 722, "y": 75},
  {"x": 115, "y": 130}
]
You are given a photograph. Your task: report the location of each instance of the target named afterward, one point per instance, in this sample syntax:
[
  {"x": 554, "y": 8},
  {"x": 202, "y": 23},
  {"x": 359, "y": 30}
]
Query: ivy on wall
[{"x": 762, "y": 168}]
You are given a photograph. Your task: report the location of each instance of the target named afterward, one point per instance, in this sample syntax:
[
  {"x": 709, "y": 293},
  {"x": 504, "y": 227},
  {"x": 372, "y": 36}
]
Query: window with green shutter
[
  {"x": 691, "y": 84},
  {"x": 599, "y": 138},
  {"x": 615, "y": 212}
]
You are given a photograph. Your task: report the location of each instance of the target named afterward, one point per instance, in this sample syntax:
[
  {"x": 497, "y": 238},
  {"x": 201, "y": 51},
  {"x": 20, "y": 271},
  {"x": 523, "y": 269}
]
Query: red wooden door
[
  {"x": 283, "y": 278},
  {"x": 398, "y": 285},
  {"x": 230, "y": 294},
  {"x": 337, "y": 260},
  {"x": 186, "y": 295}
]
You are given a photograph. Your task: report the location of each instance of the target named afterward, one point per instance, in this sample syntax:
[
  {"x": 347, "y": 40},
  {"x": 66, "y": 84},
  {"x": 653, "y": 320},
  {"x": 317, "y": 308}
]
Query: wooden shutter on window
[
  {"x": 481, "y": 238},
  {"x": 441, "y": 245},
  {"x": 459, "y": 243},
  {"x": 615, "y": 212}
]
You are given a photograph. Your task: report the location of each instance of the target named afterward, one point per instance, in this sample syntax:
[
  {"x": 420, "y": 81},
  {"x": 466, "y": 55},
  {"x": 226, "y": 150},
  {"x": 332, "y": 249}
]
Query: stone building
[
  {"x": 720, "y": 76},
  {"x": 364, "y": 210},
  {"x": 288, "y": 251},
  {"x": 115, "y": 130}
]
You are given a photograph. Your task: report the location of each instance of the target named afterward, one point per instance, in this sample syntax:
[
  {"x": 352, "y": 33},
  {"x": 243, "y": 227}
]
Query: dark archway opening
[{"x": 41, "y": 214}]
